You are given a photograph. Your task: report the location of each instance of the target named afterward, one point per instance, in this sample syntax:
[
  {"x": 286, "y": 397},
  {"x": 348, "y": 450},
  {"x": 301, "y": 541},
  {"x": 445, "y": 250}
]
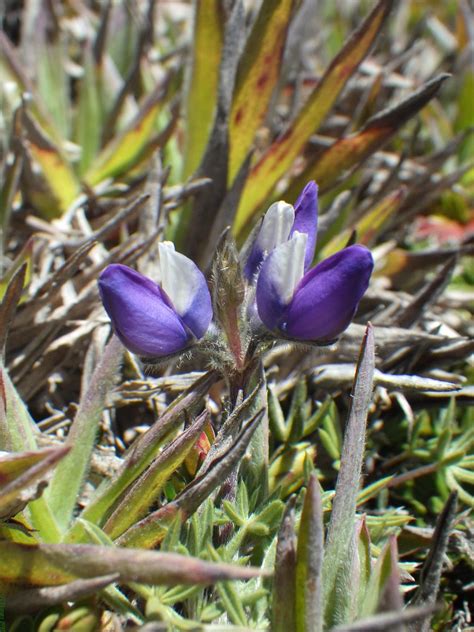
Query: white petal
[
  {"x": 287, "y": 266},
  {"x": 180, "y": 277},
  {"x": 276, "y": 226}
]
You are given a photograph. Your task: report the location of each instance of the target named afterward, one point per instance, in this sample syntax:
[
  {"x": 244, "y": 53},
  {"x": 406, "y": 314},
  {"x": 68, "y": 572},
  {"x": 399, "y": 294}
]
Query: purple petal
[
  {"x": 279, "y": 276},
  {"x": 140, "y": 312},
  {"x": 327, "y": 297},
  {"x": 306, "y": 219}
]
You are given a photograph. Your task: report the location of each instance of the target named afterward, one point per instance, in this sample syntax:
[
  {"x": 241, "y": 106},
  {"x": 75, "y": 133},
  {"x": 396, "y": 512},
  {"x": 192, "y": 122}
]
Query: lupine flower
[
  {"x": 315, "y": 305},
  {"x": 157, "y": 320},
  {"x": 280, "y": 223}
]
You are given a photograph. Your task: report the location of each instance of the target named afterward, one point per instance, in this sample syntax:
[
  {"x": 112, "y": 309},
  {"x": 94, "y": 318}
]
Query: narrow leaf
[
  {"x": 125, "y": 149},
  {"x": 54, "y": 189},
  {"x": 341, "y": 525},
  {"x": 141, "y": 453},
  {"x": 56, "y": 564},
  {"x": 383, "y": 622},
  {"x": 10, "y": 303},
  {"x": 203, "y": 81},
  {"x": 281, "y": 154},
  {"x": 38, "y": 598},
  {"x": 148, "y": 532},
  {"x": 70, "y": 474},
  {"x": 149, "y": 486},
  {"x": 257, "y": 76},
  {"x": 284, "y": 581},
  {"x": 309, "y": 562},
  {"x": 427, "y": 592},
  {"x": 18, "y": 431},
  {"x": 23, "y": 477},
  {"x": 370, "y": 225},
  {"x": 350, "y": 151}
]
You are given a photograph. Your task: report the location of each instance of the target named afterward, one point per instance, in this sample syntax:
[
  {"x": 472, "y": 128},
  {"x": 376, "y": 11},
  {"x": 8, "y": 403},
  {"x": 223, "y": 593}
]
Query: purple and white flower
[
  {"x": 157, "y": 320},
  {"x": 280, "y": 223},
  {"x": 293, "y": 301}
]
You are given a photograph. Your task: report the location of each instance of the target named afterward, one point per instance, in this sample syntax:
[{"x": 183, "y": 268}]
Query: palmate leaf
[{"x": 280, "y": 155}]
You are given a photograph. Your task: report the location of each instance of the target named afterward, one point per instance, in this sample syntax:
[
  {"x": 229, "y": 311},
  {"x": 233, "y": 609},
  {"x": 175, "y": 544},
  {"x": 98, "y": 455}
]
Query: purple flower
[
  {"x": 280, "y": 223},
  {"x": 153, "y": 320},
  {"x": 314, "y": 305}
]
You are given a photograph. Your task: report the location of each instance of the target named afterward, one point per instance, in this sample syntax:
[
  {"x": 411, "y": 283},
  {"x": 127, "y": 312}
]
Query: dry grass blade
[
  {"x": 388, "y": 622},
  {"x": 426, "y": 296},
  {"x": 24, "y": 477},
  {"x": 431, "y": 573}
]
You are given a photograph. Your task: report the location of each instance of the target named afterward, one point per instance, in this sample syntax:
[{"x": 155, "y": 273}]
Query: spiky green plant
[{"x": 120, "y": 129}]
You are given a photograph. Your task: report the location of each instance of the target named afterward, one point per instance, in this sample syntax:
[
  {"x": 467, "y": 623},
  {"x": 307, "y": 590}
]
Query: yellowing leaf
[
  {"x": 350, "y": 151},
  {"x": 257, "y": 76},
  {"x": 202, "y": 87},
  {"x": 281, "y": 154},
  {"x": 125, "y": 149},
  {"x": 53, "y": 189},
  {"x": 369, "y": 225}
]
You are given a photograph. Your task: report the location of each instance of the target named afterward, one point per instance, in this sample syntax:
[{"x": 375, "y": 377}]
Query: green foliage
[{"x": 131, "y": 495}]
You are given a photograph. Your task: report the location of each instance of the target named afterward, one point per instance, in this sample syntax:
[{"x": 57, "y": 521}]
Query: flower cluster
[{"x": 289, "y": 299}]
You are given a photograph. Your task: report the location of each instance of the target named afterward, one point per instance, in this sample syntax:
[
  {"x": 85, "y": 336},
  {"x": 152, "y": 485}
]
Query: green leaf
[
  {"x": 69, "y": 475},
  {"x": 284, "y": 582},
  {"x": 90, "y": 110},
  {"x": 147, "y": 488},
  {"x": 309, "y": 562},
  {"x": 55, "y": 564},
  {"x": 142, "y": 453},
  {"x": 201, "y": 94},
  {"x": 126, "y": 149},
  {"x": 347, "y": 152},
  {"x": 341, "y": 525},
  {"x": 18, "y": 431},
  {"x": 384, "y": 571}
]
